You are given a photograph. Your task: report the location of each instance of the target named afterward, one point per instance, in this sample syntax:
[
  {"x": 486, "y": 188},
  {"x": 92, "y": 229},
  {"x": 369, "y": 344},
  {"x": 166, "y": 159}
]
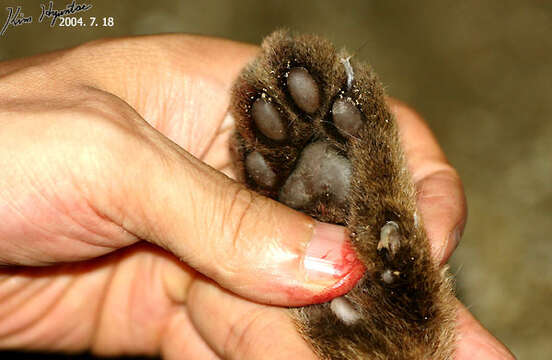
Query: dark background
[{"x": 479, "y": 72}]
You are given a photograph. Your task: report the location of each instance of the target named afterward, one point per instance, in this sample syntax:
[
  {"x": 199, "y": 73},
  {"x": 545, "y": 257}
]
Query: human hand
[{"x": 88, "y": 168}]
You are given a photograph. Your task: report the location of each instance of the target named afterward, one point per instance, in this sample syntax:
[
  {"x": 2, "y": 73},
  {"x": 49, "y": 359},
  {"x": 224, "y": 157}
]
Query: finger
[
  {"x": 190, "y": 77},
  {"x": 440, "y": 199},
  {"x": 248, "y": 331},
  {"x": 249, "y": 244},
  {"x": 49, "y": 152},
  {"x": 182, "y": 341},
  {"x": 475, "y": 342}
]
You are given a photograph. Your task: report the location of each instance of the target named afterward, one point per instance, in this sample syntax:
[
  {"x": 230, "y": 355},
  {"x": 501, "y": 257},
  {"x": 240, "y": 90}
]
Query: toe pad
[{"x": 303, "y": 89}]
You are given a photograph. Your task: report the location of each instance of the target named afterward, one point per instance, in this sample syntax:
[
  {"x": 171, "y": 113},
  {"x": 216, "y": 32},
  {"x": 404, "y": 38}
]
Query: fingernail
[
  {"x": 330, "y": 256},
  {"x": 452, "y": 241},
  {"x": 457, "y": 235}
]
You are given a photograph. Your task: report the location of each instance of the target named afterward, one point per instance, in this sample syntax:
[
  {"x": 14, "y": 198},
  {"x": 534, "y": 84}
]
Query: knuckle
[
  {"x": 239, "y": 225},
  {"x": 242, "y": 335}
]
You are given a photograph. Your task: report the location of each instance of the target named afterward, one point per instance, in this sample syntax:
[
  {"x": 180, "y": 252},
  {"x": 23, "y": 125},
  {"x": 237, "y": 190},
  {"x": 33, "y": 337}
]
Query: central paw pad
[{"x": 320, "y": 172}]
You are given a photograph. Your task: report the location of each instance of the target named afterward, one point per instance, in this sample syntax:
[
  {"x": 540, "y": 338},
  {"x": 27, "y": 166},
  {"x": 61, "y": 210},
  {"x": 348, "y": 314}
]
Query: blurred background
[{"x": 479, "y": 72}]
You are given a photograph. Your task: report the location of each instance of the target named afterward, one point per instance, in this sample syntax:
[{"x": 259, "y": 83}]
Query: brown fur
[{"x": 412, "y": 318}]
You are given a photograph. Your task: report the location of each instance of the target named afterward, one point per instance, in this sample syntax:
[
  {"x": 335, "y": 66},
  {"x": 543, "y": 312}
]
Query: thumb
[{"x": 247, "y": 243}]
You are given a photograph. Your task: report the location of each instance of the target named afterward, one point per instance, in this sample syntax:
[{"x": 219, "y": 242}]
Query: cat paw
[{"x": 314, "y": 132}]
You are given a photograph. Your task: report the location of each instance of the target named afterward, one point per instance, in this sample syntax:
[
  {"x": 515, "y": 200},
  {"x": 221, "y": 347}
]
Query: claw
[{"x": 390, "y": 238}]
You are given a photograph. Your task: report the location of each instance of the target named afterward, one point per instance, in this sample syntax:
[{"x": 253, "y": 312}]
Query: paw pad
[
  {"x": 320, "y": 172},
  {"x": 346, "y": 116},
  {"x": 268, "y": 120},
  {"x": 303, "y": 89},
  {"x": 259, "y": 170}
]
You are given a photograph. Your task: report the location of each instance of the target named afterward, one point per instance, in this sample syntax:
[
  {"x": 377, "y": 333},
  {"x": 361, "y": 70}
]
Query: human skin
[{"x": 122, "y": 235}]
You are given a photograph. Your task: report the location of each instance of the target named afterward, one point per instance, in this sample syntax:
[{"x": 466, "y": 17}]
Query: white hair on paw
[
  {"x": 344, "y": 310},
  {"x": 349, "y": 71}
]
